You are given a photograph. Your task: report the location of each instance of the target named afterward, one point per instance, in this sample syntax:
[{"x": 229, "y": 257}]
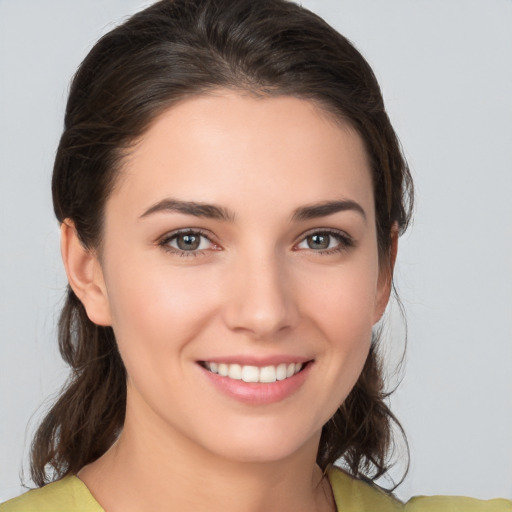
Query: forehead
[{"x": 228, "y": 145}]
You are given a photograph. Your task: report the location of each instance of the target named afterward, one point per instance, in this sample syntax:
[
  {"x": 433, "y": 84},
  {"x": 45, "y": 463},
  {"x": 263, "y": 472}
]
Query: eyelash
[
  {"x": 345, "y": 242},
  {"x": 167, "y": 239}
]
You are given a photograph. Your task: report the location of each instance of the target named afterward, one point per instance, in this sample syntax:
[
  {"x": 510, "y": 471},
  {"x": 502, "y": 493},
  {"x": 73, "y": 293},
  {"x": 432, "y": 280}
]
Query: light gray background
[{"x": 445, "y": 67}]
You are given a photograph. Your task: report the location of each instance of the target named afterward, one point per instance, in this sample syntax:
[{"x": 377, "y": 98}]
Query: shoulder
[
  {"x": 353, "y": 495},
  {"x": 456, "y": 504},
  {"x": 67, "y": 495}
]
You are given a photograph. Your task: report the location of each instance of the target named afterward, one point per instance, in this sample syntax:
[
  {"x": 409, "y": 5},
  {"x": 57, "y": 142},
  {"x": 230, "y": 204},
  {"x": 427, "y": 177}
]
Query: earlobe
[
  {"x": 85, "y": 275},
  {"x": 386, "y": 276}
]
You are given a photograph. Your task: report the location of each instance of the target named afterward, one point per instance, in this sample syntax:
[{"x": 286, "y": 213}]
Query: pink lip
[
  {"x": 259, "y": 361},
  {"x": 257, "y": 393}
]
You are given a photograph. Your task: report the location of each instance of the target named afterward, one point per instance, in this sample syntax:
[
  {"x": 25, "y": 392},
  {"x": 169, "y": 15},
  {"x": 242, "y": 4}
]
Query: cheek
[
  {"x": 342, "y": 301},
  {"x": 158, "y": 309},
  {"x": 341, "y": 306}
]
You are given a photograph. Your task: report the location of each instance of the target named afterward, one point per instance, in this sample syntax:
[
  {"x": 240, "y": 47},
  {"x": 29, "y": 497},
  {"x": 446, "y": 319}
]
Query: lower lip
[{"x": 258, "y": 393}]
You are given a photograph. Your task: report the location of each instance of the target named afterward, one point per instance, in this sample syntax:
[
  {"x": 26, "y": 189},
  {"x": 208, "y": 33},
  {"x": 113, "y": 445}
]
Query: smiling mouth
[{"x": 248, "y": 373}]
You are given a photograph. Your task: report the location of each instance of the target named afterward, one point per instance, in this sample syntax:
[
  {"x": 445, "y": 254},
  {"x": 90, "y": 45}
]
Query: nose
[{"x": 260, "y": 300}]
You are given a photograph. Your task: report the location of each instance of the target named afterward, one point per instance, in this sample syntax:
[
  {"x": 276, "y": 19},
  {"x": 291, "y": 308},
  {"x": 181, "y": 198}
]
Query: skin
[{"x": 256, "y": 287}]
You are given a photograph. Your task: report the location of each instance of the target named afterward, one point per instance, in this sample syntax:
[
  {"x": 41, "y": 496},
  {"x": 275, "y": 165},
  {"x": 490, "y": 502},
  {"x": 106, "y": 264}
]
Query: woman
[{"x": 230, "y": 193}]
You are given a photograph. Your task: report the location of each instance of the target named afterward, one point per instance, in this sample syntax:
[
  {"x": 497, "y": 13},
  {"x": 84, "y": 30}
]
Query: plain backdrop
[{"x": 445, "y": 67}]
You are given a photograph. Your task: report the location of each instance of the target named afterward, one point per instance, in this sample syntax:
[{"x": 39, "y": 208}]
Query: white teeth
[
  {"x": 235, "y": 371},
  {"x": 249, "y": 373},
  {"x": 268, "y": 374},
  {"x": 281, "y": 371}
]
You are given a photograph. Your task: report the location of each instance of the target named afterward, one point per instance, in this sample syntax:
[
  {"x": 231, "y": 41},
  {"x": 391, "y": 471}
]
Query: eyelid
[
  {"x": 346, "y": 241},
  {"x": 165, "y": 239}
]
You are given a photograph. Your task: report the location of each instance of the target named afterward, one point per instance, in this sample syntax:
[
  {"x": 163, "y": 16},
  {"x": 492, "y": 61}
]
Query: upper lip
[{"x": 245, "y": 360}]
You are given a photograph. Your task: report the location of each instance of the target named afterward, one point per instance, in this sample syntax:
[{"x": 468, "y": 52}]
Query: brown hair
[{"x": 163, "y": 54}]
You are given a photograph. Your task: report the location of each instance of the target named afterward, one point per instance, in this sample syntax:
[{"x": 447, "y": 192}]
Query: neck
[{"x": 147, "y": 469}]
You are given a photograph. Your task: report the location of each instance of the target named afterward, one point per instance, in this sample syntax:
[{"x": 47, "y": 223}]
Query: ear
[
  {"x": 85, "y": 275},
  {"x": 385, "y": 281}
]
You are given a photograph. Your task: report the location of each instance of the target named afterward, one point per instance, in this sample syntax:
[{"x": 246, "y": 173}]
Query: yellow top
[
  {"x": 352, "y": 495},
  {"x": 71, "y": 495}
]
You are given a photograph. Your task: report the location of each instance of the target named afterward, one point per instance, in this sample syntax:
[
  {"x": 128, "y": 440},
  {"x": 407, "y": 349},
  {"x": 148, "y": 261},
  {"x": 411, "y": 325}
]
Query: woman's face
[{"x": 241, "y": 240}]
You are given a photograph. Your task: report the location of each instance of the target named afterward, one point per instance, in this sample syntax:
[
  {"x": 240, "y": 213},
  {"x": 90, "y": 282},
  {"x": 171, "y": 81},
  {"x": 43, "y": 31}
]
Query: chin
[{"x": 264, "y": 443}]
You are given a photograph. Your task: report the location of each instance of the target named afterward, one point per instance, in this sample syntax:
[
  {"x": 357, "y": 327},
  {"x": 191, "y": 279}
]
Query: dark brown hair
[{"x": 170, "y": 51}]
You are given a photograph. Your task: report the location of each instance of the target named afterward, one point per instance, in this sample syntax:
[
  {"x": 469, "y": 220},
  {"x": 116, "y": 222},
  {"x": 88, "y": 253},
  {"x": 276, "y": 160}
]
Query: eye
[
  {"x": 187, "y": 243},
  {"x": 326, "y": 242}
]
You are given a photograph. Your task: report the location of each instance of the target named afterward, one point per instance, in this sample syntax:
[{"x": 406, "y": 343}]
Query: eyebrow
[
  {"x": 326, "y": 208},
  {"x": 212, "y": 211},
  {"x": 196, "y": 209}
]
